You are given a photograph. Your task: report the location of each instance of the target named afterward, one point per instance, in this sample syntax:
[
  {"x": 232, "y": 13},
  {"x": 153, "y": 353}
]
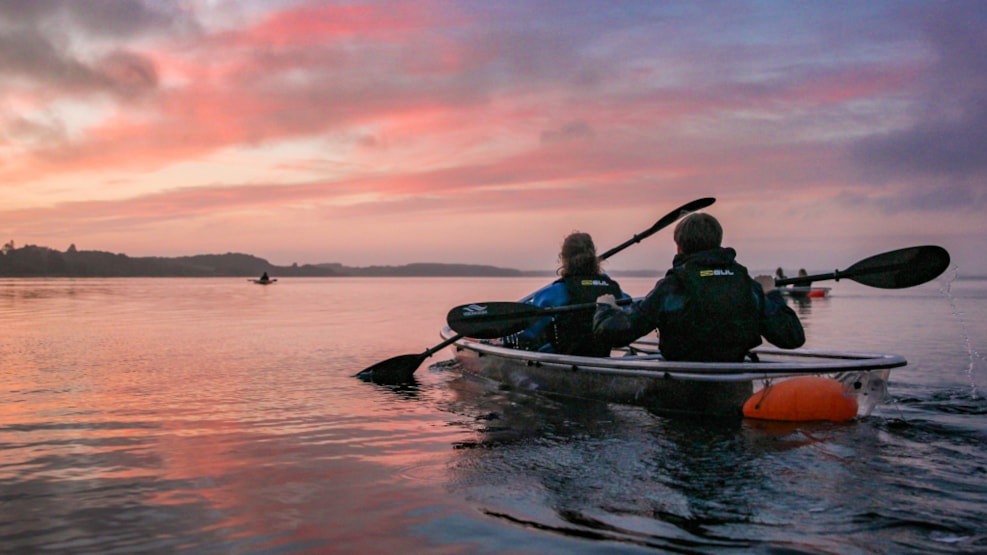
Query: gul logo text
[{"x": 711, "y": 273}]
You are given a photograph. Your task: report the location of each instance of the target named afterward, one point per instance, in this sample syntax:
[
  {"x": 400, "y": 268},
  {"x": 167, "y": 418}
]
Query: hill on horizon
[{"x": 37, "y": 261}]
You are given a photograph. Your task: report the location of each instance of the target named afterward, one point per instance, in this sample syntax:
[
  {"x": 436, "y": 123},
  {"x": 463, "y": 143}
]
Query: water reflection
[
  {"x": 171, "y": 485},
  {"x": 608, "y": 472},
  {"x": 409, "y": 389},
  {"x": 803, "y": 305},
  {"x": 618, "y": 474}
]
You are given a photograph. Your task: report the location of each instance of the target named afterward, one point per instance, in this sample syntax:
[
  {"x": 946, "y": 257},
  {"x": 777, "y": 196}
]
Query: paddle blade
[
  {"x": 666, "y": 221},
  {"x": 683, "y": 210},
  {"x": 899, "y": 269},
  {"x": 493, "y": 319},
  {"x": 397, "y": 369}
]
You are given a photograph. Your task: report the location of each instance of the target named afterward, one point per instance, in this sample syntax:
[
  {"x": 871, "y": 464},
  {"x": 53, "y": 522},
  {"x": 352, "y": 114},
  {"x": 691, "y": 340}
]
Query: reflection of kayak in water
[{"x": 804, "y": 292}]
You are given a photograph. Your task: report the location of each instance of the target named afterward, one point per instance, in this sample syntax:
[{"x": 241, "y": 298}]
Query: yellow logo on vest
[
  {"x": 592, "y": 282},
  {"x": 711, "y": 273}
]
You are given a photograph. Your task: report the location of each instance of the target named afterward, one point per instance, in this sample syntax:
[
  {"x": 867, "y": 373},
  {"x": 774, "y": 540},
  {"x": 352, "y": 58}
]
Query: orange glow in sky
[{"x": 371, "y": 133}]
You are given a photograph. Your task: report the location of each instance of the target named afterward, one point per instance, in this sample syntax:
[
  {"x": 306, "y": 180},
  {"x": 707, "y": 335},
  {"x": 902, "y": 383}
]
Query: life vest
[
  {"x": 574, "y": 330},
  {"x": 719, "y": 317}
]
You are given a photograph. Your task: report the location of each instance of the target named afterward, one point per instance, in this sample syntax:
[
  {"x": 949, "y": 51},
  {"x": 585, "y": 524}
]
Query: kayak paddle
[
  {"x": 891, "y": 270},
  {"x": 401, "y": 368}
]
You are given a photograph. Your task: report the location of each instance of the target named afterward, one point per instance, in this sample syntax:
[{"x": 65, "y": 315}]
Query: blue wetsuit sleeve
[{"x": 552, "y": 296}]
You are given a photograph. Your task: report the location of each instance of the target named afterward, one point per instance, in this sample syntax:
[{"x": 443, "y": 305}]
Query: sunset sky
[{"x": 482, "y": 132}]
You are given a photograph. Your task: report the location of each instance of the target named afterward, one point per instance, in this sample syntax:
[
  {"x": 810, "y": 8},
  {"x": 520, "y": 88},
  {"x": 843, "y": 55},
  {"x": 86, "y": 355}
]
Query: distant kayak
[
  {"x": 804, "y": 292},
  {"x": 263, "y": 281}
]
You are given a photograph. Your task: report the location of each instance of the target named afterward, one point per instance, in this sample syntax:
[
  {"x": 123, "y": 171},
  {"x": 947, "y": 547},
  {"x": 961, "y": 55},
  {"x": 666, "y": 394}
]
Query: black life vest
[
  {"x": 574, "y": 330},
  {"x": 719, "y": 320}
]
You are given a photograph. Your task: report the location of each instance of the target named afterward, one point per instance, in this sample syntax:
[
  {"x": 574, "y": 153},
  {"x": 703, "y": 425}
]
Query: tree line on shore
[{"x": 37, "y": 261}]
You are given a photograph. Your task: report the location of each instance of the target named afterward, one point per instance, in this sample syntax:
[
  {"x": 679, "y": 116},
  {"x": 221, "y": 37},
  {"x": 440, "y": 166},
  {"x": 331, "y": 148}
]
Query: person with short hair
[
  {"x": 707, "y": 308},
  {"x": 581, "y": 280}
]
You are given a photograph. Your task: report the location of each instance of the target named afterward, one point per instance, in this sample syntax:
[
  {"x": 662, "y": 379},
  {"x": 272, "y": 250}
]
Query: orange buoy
[
  {"x": 802, "y": 399},
  {"x": 816, "y": 293}
]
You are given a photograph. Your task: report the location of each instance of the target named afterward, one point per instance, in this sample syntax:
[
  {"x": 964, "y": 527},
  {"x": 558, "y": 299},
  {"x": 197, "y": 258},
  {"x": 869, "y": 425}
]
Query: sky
[{"x": 479, "y": 132}]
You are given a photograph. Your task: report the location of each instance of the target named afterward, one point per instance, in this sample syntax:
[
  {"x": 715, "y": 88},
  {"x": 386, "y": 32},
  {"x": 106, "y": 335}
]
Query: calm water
[{"x": 219, "y": 416}]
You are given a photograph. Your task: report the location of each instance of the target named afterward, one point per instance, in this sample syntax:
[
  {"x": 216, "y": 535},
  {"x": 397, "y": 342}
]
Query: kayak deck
[{"x": 642, "y": 359}]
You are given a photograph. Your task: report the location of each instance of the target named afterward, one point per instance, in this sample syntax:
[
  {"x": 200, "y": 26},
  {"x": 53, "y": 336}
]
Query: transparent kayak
[{"x": 639, "y": 375}]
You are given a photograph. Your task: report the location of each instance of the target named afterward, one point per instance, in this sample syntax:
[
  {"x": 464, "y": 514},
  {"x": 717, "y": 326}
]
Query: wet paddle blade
[
  {"x": 393, "y": 370},
  {"x": 901, "y": 268},
  {"x": 401, "y": 369}
]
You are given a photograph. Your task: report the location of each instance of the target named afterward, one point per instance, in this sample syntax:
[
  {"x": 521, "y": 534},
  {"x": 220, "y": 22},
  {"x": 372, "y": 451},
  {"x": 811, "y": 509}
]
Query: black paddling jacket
[
  {"x": 707, "y": 308},
  {"x": 574, "y": 330}
]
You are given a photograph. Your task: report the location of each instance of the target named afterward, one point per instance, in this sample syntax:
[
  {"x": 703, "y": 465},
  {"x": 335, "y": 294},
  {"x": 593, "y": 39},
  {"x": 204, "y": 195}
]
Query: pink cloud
[
  {"x": 314, "y": 24},
  {"x": 439, "y": 110}
]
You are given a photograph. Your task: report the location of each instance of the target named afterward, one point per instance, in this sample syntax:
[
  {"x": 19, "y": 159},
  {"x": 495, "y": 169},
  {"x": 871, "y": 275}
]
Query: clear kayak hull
[{"x": 640, "y": 376}]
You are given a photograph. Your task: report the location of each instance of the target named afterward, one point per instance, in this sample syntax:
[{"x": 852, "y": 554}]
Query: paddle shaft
[{"x": 835, "y": 275}]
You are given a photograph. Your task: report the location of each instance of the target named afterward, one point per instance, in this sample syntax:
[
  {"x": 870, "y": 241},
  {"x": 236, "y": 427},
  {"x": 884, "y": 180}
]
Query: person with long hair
[{"x": 581, "y": 280}]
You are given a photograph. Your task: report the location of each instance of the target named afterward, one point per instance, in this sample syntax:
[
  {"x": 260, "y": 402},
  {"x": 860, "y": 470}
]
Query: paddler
[
  {"x": 707, "y": 308},
  {"x": 802, "y": 274},
  {"x": 581, "y": 281}
]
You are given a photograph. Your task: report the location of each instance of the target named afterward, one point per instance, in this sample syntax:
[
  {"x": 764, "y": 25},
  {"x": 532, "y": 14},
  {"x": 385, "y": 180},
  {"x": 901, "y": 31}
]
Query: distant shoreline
[
  {"x": 32, "y": 261},
  {"x": 36, "y": 261}
]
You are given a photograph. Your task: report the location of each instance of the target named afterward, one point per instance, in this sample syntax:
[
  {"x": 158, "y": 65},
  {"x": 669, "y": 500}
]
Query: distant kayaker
[
  {"x": 803, "y": 273},
  {"x": 264, "y": 277},
  {"x": 707, "y": 308},
  {"x": 779, "y": 275},
  {"x": 581, "y": 281}
]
